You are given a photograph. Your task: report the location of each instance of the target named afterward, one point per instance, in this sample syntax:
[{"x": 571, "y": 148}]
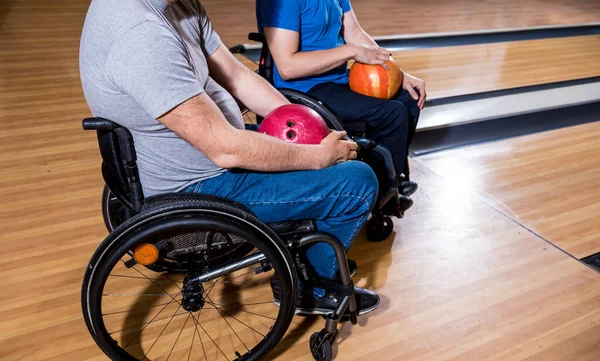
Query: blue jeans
[
  {"x": 391, "y": 123},
  {"x": 338, "y": 198}
]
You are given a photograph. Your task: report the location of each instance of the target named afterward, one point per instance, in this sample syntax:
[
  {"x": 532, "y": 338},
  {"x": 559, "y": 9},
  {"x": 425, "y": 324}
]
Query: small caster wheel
[
  {"x": 379, "y": 228},
  {"x": 320, "y": 348}
]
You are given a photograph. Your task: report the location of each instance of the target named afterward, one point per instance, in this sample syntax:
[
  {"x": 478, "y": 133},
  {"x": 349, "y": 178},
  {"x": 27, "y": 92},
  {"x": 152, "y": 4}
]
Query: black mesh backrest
[{"x": 119, "y": 161}]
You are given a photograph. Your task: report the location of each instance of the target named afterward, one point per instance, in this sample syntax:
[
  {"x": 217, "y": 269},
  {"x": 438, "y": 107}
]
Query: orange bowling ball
[{"x": 375, "y": 81}]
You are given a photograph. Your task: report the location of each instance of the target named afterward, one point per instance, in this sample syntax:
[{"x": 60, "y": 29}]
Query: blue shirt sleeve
[
  {"x": 346, "y": 6},
  {"x": 284, "y": 14}
]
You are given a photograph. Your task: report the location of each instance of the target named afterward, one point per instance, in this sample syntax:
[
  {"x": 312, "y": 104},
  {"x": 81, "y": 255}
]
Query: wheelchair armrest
[
  {"x": 257, "y": 37},
  {"x": 365, "y": 143},
  {"x": 98, "y": 124},
  {"x": 384, "y": 155}
]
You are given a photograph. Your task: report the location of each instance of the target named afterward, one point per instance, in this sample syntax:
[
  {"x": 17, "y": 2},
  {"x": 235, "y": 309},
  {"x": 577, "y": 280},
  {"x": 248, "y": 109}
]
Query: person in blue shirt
[{"x": 311, "y": 42}]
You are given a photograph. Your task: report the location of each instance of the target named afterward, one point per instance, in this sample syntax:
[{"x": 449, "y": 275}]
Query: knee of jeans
[{"x": 362, "y": 182}]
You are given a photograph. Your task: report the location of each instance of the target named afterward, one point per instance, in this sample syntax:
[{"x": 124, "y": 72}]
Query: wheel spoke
[
  {"x": 177, "y": 339},
  {"x": 161, "y": 332},
  {"x": 213, "y": 341},
  {"x": 237, "y": 320},
  {"x": 157, "y": 285},
  {"x": 134, "y": 309},
  {"x": 207, "y": 292},
  {"x": 199, "y": 336},
  {"x": 147, "y": 323},
  {"x": 141, "y": 295},
  {"x": 239, "y": 307},
  {"x": 192, "y": 343},
  {"x": 145, "y": 278},
  {"x": 236, "y": 334}
]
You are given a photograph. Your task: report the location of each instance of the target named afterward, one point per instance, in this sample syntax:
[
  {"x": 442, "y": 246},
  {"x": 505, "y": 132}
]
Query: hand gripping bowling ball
[
  {"x": 295, "y": 123},
  {"x": 375, "y": 81}
]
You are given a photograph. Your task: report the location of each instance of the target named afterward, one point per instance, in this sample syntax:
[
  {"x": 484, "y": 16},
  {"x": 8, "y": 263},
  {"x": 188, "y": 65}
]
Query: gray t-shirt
[{"x": 138, "y": 60}]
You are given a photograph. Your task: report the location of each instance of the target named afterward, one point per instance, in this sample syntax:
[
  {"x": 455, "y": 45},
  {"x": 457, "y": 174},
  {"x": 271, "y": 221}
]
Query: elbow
[
  {"x": 227, "y": 161},
  {"x": 286, "y": 73}
]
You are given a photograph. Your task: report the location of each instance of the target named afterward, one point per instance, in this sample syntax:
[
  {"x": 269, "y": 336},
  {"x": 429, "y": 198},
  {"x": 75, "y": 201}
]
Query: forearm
[
  {"x": 308, "y": 63},
  {"x": 255, "y": 92},
  {"x": 260, "y": 152}
]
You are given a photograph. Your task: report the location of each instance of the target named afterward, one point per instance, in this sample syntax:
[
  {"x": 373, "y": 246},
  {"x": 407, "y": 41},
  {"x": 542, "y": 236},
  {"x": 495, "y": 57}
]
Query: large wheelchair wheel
[
  {"x": 215, "y": 310},
  {"x": 113, "y": 211}
]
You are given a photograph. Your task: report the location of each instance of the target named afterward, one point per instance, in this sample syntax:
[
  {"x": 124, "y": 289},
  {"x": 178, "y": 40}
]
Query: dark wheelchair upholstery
[{"x": 121, "y": 176}]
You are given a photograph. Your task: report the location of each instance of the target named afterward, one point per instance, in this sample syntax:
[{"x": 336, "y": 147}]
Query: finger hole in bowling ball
[
  {"x": 291, "y": 134},
  {"x": 290, "y": 123}
]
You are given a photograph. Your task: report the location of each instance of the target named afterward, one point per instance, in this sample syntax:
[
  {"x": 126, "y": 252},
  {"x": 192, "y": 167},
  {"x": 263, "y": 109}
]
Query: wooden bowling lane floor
[
  {"x": 549, "y": 182},
  {"x": 234, "y": 19},
  {"x": 470, "y": 69},
  {"x": 458, "y": 281}
]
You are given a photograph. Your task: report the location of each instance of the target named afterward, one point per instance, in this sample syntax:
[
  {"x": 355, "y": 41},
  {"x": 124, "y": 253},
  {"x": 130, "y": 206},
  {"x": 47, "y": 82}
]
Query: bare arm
[
  {"x": 245, "y": 85},
  {"x": 292, "y": 63},
  {"x": 200, "y": 122},
  {"x": 353, "y": 33}
]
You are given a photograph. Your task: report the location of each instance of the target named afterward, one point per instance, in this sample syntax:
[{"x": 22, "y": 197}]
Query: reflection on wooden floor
[
  {"x": 471, "y": 69},
  {"x": 234, "y": 19},
  {"x": 458, "y": 281},
  {"x": 549, "y": 182}
]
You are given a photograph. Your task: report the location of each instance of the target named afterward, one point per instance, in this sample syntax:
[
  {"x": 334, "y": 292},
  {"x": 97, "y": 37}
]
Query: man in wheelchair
[
  {"x": 311, "y": 42},
  {"x": 158, "y": 68}
]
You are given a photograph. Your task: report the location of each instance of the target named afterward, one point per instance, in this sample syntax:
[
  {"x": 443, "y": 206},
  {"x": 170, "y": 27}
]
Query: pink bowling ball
[{"x": 295, "y": 123}]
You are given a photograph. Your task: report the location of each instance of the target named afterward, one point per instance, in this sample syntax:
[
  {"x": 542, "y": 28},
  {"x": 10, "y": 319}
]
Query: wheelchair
[
  {"x": 188, "y": 276},
  {"x": 380, "y": 225}
]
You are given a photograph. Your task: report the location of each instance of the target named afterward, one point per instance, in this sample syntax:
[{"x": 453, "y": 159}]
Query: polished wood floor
[
  {"x": 458, "y": 280},
  {"x": 471, "y": 69},
  {"x": 549, "y": 182},
  {"x": 234, "y": 19}
]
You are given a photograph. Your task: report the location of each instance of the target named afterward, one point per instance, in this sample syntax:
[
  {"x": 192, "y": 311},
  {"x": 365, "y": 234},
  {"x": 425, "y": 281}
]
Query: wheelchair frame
[{"x": 119, "y": 169}]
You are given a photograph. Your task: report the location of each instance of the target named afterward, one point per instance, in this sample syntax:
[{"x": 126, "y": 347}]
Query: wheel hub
[{"x": 193, "y": 296}]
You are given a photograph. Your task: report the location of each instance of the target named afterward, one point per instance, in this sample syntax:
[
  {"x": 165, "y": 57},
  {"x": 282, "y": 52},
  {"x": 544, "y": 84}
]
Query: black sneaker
[
  {"x": 366, "y": 301},
  {"x": 404, "y": 203},
  {"x": 408, "y": 188}
]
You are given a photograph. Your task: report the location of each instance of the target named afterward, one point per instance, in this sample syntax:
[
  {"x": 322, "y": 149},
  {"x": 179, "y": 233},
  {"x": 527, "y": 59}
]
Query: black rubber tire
[
  {"x": 296, "y": 97},
  {"x": 113, "y": 211},
  {"x": 379, "y": 228},
  {"x": 325, "y": 353},
  {"x": 203, "y": 214}
]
